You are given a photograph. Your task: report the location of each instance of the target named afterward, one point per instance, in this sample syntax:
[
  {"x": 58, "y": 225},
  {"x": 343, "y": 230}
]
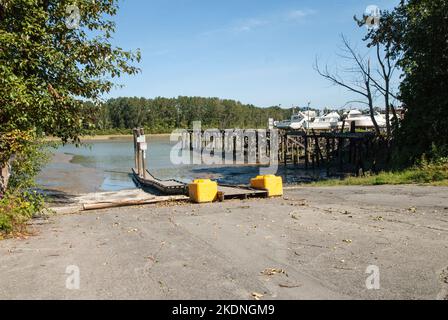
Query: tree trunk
[
  {"x": 372, "y": 112},
  {"x": 5, "y": 173},
  {"x": 388, "y": 126}
]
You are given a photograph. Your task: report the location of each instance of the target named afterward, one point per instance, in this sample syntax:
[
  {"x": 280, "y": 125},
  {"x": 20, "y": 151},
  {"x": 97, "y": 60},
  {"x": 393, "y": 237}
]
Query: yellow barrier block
[
  {"x": 203, "y": 190},
  {"x": 271, "y": 183}
]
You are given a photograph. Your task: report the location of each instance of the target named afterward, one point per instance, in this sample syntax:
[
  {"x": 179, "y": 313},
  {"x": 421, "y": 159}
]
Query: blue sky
[{"x": 255, "y": 51}]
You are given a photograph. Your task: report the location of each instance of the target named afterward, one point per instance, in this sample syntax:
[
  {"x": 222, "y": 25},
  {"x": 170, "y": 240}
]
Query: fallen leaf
[
  {"x": 257, "y": 296},
  {"x": 295, "y": 215},
  {"x": 273, "y": 271}
]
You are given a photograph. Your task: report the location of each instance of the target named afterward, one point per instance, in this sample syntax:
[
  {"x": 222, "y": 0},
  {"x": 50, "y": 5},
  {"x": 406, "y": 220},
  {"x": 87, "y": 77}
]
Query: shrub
[{"x": 21, "y": 201}]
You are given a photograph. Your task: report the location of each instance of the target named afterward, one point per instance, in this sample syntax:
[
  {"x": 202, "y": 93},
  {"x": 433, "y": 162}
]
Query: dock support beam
[{"x": 140, "y": 148}]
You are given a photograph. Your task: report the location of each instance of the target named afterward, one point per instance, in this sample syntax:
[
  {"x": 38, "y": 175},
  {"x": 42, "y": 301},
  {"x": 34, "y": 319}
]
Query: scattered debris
[
  {"x": 288, "y": 286},
  {"x": 444, "y": 276},
  {"x": 379, "y": 218},
  {"x": 343, "y": 268},
  {"x": 347, "y": 241},
  {"x": 273, "y": 271},
  {"x": 295, "y": 215},
  {"x": 297, "y": 202},
  {"x": 412, "y": 209},
  {"x": 257, "y": 296}
]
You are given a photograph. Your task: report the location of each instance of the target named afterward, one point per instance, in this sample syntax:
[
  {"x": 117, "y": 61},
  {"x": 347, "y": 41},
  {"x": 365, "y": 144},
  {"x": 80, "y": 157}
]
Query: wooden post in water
[
  {"x": 340, "y": 155},
  {"x": 140, "y": 148},
  {"x": 306, "y": 152},
  {"x": 234, "y": 148},
  {"x": 352, "y": 157},
  {"x": 285, "y": 149},
  {"x": 134, "y": 131},
  {"x": 328, "y": 154},
  {"x": 143, "y": 148},
  {"x": 319, "y": 156},
  {"x": 223, "y": 145}
]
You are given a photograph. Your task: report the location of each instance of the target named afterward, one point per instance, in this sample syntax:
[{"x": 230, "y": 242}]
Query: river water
[{"x": 105, "y": 166}]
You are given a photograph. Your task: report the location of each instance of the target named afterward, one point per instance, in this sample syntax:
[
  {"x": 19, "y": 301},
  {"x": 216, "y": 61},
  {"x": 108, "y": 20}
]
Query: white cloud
[
  {"x": 249, "y": 24},
  {"x": 298, "y": 14}
]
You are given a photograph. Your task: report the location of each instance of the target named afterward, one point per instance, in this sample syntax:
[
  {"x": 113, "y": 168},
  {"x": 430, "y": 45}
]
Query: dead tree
[
  {"x": 378, "y": 38},
  {"x": 361, "y": 82}
]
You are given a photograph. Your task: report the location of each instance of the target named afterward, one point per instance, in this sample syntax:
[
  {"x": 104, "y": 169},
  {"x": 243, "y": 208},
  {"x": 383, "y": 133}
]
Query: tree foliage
[
  {"x": 424, "y": 89},
  {"x": 417, "y": 33},
  {"x": 52, "y": 60},
  {"x": 161, "y": 115},
  {"x": 48, "y": 68}
]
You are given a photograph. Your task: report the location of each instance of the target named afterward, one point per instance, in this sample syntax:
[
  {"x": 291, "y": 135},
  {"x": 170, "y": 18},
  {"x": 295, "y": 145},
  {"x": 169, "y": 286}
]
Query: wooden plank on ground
[{"x": 103, "y": 200}]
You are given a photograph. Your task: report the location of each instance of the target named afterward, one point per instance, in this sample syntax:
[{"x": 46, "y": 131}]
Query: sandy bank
[{"x": 61, "y": 175}]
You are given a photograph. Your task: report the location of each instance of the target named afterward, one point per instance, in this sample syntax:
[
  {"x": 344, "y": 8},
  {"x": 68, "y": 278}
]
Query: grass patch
[{"x": 425, "y": 173}]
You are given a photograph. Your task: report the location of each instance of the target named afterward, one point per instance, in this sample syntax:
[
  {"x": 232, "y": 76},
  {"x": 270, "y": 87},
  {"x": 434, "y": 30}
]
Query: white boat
[
  {"x": 364, "y": 121},
  {"x": 326, "y": 122},
  {"x": 297, "y": 120}
]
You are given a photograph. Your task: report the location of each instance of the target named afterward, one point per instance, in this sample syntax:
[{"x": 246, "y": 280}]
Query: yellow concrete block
[
  {"x": 203, "y": 190},
  {"x": 271, "y": 183}
]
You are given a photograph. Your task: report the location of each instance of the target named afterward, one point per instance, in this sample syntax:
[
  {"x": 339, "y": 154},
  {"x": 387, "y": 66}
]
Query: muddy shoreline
[{"x": 62, "y": 175}]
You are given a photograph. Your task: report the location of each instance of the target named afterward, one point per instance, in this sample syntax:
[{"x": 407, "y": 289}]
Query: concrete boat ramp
[
  {"x": 104, "y": 200},
  {"x": 138, "y": 197}
]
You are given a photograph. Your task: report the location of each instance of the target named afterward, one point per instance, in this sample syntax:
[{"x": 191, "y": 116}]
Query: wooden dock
[
  {"x": 173, "y": 187},
  {"x": 169, "y": 187},
  {"x": 338, "y": 151}
]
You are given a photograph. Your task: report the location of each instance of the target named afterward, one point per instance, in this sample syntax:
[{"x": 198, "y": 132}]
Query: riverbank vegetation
[
  {"x": 52, "y": 60},
  {"x": 25, "y": 154},
  {"x": 433, "y": 173}
]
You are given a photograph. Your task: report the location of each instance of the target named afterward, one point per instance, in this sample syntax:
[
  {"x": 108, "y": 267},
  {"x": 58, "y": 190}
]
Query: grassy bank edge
[{"x": 435, "y": 174}]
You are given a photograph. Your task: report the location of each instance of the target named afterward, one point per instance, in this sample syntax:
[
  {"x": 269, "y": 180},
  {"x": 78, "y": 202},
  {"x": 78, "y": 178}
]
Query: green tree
[
  {"x": 52, "y": 59},
  {"x": 424, "y": 90},
  {"x": 56, "y": 61},
  {"x": 162, "y": 115},
  {"x": 418, "y": 33}
]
